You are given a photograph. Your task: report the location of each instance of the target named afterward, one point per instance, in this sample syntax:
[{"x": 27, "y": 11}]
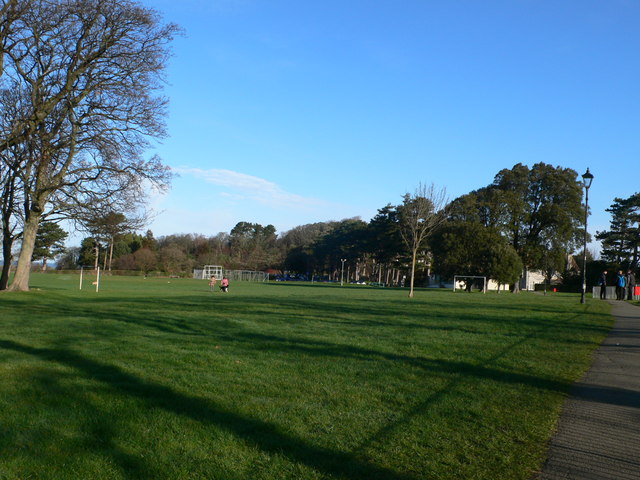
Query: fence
[{"x": 611, "y": 293}]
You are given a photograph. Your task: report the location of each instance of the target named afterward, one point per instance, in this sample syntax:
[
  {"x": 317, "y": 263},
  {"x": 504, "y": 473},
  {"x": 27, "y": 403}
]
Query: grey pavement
[{"x": 598, "y": 434}]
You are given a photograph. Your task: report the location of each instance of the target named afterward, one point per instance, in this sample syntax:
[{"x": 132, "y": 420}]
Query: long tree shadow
[
  {"x": 467, "y": 369},
  {"x": 165, "y": 314},
  {"x": 262, "y": 434},
  {"x": 166, "y": 319},
  {"x": 98, "y": 430}
]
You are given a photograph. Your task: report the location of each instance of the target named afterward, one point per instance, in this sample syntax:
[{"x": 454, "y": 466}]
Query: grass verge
[{"x": 162, "y": 379}]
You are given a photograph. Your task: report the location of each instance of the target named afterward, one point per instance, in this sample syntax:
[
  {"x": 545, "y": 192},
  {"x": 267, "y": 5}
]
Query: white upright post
[
  {"x": 81, "y": 270},
  {"x": 98, "y": 280}
]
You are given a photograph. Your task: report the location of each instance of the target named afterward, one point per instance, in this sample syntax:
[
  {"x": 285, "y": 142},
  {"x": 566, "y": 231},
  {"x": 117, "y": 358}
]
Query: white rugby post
[{"x": 96, "y": 283}]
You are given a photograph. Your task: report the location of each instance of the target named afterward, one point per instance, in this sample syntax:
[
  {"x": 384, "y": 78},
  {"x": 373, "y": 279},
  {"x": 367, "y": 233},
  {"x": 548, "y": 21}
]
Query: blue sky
[{"x": 294, "y": 112}]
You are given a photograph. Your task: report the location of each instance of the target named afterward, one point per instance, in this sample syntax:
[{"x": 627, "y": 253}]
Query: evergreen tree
[
  {"x": 621, "y": 242},
  {"x": 49, "y": 242}
]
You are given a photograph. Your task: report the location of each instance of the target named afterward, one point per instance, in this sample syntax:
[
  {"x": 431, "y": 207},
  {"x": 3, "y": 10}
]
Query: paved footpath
[{"x": 598, "y": 433}]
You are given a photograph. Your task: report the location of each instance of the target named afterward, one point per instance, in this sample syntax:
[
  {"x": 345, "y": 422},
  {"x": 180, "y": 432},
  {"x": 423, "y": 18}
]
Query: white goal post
[
  {"x": 209, "y": 271},
  {"x": 463, "y": 278}
]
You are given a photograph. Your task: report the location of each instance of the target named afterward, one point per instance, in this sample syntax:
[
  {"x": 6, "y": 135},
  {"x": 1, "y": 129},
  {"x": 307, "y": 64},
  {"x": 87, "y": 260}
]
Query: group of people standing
[{"x": 625, "y": 285}]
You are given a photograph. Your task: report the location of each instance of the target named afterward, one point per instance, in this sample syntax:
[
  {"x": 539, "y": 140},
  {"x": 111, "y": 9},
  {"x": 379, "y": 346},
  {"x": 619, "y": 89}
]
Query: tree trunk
[
  {"x": 6, "y": 270},
  {"x": 7, "y": 245},
  {"x": 20, "y": 281},
  {"x": 95, "y": 263},
  {"x": 413, "y": 270},
  {"x": 110, "y": 253}
]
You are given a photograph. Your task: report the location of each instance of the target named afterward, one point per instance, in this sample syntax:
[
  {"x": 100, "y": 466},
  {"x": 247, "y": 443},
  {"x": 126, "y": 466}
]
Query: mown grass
[{"x": 162, "y": 379}]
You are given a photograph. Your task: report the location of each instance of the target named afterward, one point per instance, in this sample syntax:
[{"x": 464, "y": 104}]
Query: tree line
[
  {"x": 81, "y": 101},
  {"x": 527, "y": 218}
]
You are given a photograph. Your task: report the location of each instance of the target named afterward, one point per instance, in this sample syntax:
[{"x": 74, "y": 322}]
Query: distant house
[{"x": 528, "y": 282}]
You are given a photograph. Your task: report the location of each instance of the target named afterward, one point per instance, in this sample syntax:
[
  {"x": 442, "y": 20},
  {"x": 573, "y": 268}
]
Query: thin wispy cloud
[{"x": 243, "y": 186}]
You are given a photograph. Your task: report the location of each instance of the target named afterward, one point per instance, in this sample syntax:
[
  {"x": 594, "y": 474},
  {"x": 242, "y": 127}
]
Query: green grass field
[{"x": 162, "y": 379}]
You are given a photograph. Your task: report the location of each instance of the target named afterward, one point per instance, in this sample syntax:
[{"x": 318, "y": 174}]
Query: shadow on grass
[
  {"x": 199, "y": 315},
  {"x": 98, "y": 431},
  {"x": 202, "y": 316},
  {"x": 262, "y": 434},
  {"x": 467, "y": 369},
  {"x": 266, "y": 436}
]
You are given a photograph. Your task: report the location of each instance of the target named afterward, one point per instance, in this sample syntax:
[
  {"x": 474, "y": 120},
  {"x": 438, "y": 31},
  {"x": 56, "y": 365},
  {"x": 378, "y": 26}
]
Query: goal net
[
  {"x": 218, "y": 272},
  {"x": 209, "y": 271},
  {"x": 246, "y": 276},
  {"x": 469, "y": 282}
]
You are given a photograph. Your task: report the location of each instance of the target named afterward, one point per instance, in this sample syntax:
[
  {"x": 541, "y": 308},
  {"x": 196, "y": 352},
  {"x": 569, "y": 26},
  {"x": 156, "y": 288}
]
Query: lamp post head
[{"x": 587, "y": 178}]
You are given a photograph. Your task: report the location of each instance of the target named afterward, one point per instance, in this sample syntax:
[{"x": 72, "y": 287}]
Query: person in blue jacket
[{"x": 621, "y": 283}]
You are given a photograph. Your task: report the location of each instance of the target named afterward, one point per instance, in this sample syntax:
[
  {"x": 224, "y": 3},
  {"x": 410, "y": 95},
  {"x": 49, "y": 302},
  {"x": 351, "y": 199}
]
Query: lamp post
[
  {"x": 587, "y": 178},
  {"x": 342, "y": 272}
]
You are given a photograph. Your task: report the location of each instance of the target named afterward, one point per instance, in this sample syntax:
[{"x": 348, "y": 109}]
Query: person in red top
[{"x": 224, "y": 284}]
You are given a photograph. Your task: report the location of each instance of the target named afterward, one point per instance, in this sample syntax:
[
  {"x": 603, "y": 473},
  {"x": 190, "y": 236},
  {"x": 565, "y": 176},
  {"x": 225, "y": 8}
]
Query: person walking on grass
[
  {"x": 212, "y": 283},
  {"x": 631, "y": 284},
  {"x": 621, "y": 283},
  {"x": 602, "y": 281}
]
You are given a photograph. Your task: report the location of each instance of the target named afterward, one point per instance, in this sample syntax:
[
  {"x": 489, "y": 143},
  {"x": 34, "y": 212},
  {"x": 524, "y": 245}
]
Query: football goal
[
  {"x": 468, "y": 282},
  {"x": 246, "y": 276},
  {"x": 209, "y": 271},
  {"x": 218, "y": 271}
]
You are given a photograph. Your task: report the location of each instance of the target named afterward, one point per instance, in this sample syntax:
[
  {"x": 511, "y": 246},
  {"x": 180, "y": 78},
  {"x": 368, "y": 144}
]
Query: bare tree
[
  {"x": 419, "y": 215},
  {"x": 90, "y": 72},
  {"x": 11, "y": 191},
  {"x": 10, "y": 228},
  {"x": 10, "y": 11},
  {"x": 145, "y": 260}
]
